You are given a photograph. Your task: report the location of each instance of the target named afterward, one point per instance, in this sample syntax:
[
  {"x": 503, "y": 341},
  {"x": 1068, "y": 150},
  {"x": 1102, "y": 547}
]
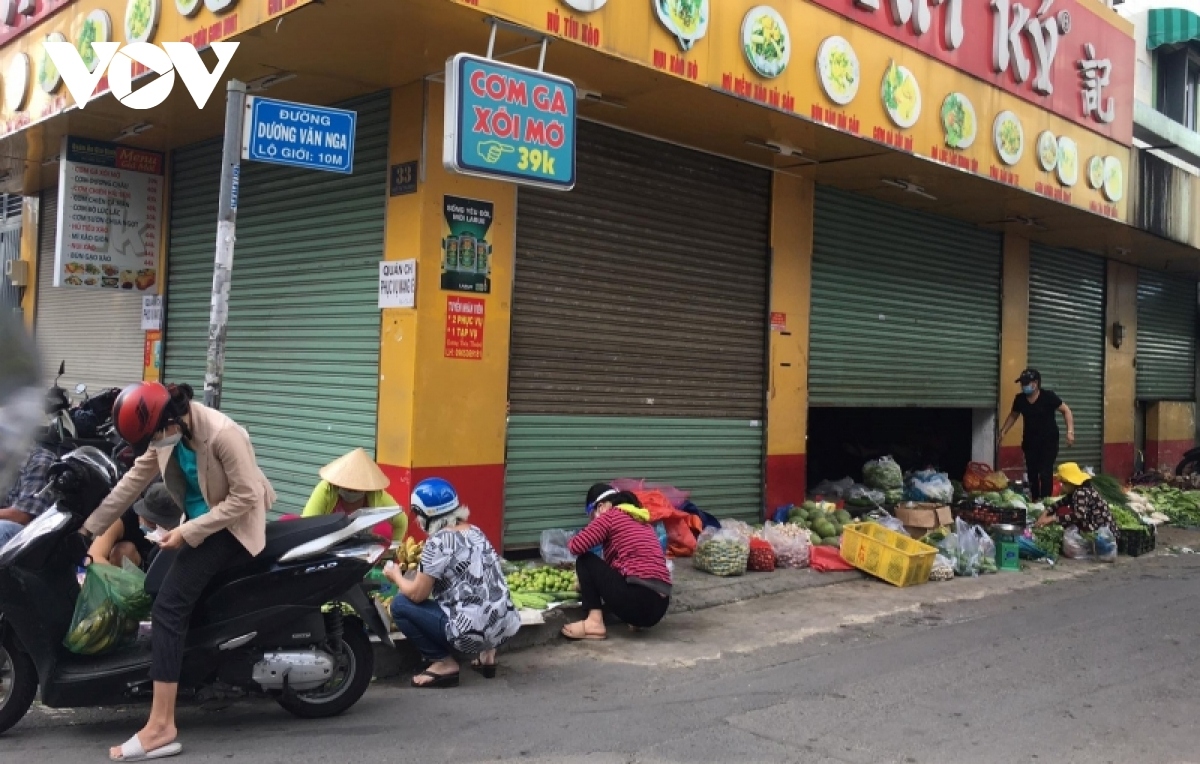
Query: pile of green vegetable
[
  {"x": 1127, "y": 520},
  {"x": 1006, "y": 499},
  {"x": 1049, "y": 538},
  {"x": 824, "y": 522},
  {"x": 1112, "y": 491},
  {"x": 883, "y": 475},
  {"x": 1181, "y": 507}
]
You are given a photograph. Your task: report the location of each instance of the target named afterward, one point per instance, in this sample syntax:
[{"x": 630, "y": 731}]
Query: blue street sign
[{"x": 299, "y": 135}]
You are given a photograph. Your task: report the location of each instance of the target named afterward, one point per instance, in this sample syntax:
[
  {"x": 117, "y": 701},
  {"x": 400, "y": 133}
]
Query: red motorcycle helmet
[{"x": 141, "y": 410}]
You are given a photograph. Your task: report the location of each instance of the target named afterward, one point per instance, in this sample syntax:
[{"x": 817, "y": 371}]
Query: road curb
[{"x": 693, "y": 591}]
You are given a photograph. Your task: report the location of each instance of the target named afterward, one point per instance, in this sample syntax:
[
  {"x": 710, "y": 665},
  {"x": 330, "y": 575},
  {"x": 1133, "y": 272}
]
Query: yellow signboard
[
  {"x": 803, "y": 60},
  {"x": 33, "y": 89}
]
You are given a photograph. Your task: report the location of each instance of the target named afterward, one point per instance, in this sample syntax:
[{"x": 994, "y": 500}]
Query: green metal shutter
[
  {"x": 638, "y": 334},
  {"x": 905, "y": 307},
  {"x": 1066, "y": 342},
  {"x": 302, "y": 354},
  {"x": 1166, "y": 337}
]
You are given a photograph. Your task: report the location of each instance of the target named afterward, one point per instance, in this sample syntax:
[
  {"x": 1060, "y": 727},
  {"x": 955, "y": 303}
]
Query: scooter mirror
[{"x": 62, "y": 368}]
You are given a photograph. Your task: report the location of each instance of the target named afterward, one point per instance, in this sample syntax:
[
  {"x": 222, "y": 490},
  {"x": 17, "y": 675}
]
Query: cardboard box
[{"x": 920, "y": 519}]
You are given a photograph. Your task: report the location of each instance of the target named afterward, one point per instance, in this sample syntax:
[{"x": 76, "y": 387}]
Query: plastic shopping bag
[
  {"x": 1075, "y": 546},
  {"x": 722, "y": 552},
  {"x": 554, "y": 547},
  {"x": 111, "y": 604},
  {"x": 1106, "y": 546},
  {"x": 790, "y": 543},
  {"x": 967, "y": 552},
  {"x": 987, "y": 551},
  {"x": 931, "y": 486}
]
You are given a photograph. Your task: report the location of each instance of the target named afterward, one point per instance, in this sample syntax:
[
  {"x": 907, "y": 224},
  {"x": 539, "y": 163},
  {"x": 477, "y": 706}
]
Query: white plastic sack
[{"x": 554, "y": 547}]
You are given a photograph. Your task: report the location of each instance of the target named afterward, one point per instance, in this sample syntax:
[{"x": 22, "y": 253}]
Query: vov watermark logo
[{"x": 173, "y": 57}]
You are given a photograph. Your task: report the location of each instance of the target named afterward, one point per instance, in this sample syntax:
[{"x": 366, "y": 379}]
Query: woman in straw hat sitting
[
  {"x": 351, "y": 483},
  {"x": 1082, "y": 505}
]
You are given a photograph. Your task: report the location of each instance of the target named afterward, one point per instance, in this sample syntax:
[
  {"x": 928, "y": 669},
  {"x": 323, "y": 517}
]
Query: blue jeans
[
  {"x": 424, "y": 625},
  {"x": 8, "y": 529}
]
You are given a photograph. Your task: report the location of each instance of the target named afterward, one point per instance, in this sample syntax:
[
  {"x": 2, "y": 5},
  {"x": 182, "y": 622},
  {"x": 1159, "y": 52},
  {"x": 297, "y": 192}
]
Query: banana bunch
[
  {"x": 102, "y": 630},
  {"x": 408, "y": 556}
]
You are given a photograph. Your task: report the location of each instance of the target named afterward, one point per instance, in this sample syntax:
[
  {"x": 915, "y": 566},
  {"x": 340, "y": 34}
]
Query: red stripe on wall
[
  {"x": 480, "y": 487},
  {"x": 1166, "y": 453},
  {"x": 1118, "y": 460},
  {"x": 787, "y": 476}
]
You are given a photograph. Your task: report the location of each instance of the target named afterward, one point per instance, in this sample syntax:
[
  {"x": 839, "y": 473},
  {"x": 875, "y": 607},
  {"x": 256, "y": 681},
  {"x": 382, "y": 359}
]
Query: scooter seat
[{"x": 282, "y": 536}]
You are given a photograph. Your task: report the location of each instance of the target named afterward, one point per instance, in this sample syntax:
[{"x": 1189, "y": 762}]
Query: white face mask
[
  {"x": 351, "y": 496},
  {"x": 167, "y": 441}
]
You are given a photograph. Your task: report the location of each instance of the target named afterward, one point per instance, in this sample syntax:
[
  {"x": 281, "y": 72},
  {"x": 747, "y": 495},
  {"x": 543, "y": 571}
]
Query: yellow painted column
[
  {"x": 787, "y": 382},
  {"x": 31, "y": 220},
  {"x": 1014, "y": 345},
  {"x": 443, "y": 397},
  {"x": 1170, "y": 433},
  {"x": 1120, "y": 371}
]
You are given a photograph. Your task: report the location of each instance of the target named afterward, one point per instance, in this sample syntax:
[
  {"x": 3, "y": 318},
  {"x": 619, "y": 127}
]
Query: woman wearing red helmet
[{"x": 209, "y": 467}]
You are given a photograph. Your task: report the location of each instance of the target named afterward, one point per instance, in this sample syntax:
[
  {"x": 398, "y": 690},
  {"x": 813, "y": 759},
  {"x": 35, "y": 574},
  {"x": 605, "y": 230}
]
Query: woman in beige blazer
[{"x": 209, "y": 467}]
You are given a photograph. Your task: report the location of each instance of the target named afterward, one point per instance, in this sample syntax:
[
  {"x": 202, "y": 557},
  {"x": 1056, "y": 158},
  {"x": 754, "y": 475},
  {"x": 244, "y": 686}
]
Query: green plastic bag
[{"x": 111, "y": 605}]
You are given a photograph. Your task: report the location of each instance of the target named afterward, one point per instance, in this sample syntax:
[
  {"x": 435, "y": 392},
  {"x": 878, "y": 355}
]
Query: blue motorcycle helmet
[{"x": 433, "y": 498}]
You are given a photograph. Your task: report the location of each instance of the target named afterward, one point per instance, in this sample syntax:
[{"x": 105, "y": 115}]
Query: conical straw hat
[{"x": 355, "y": 472}]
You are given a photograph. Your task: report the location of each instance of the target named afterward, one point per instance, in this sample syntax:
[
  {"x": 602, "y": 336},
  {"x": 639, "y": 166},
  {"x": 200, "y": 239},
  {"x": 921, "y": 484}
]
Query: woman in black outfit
[{"x": 1039, "y": 409}]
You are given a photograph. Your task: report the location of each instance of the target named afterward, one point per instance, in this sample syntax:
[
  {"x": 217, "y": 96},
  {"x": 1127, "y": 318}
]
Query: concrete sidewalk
[{"x": 693, "y": 591}]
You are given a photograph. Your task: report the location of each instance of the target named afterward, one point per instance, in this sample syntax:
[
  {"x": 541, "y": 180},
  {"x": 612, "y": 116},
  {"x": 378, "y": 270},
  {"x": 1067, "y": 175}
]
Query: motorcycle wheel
[
  {"x": 18, "y": 685},
  {"x": 1187, "y": 467},
  {"x": 355, "y": 666}
]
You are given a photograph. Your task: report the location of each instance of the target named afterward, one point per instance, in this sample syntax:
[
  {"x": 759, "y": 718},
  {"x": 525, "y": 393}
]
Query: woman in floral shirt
[{"x": 1082, "y": 506}]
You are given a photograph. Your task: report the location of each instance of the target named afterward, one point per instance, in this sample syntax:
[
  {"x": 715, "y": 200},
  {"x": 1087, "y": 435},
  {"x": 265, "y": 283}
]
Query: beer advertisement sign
[{"x": 467, "y": 245}]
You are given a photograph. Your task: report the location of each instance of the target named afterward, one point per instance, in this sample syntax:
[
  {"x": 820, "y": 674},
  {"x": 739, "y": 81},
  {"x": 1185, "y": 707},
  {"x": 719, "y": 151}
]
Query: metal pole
[{"x": 231, "y": 157}]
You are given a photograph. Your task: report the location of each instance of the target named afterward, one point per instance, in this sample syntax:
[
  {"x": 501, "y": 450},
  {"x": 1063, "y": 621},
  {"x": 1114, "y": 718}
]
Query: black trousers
[
  {"x": 602, "y": 588},
  {"x": 1039, "y": 465},
  {"x": 191, "y": 572}
]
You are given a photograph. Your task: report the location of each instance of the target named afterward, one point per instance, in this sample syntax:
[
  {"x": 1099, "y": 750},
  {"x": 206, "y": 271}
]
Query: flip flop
[
  {"x": 438, "y": 680},
  {"x": 581, "y": 633},
  {"x": 132, "y": 750},
  {"x": 487, "y": 669}
]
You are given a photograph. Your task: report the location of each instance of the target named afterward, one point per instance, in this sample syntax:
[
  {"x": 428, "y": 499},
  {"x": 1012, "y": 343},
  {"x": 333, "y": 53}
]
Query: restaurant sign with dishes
[{"x": 110, "y": 212}]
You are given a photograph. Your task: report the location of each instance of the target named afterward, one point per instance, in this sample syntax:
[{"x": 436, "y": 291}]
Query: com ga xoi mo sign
[{"x": 173, "y": 57}]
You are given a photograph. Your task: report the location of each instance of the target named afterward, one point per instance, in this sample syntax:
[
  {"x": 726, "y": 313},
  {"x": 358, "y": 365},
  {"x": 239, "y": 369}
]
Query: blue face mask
[{"x": 1028, "y": 389}]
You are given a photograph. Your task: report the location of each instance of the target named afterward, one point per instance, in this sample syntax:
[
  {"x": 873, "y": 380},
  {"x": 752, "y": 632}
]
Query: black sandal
[
  {"x": 487, "y": 669},
  {"x": 439, "y": 680}
]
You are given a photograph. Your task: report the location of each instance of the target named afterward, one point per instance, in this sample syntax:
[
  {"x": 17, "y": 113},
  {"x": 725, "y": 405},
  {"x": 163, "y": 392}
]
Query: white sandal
[{"x": 132, "y": 750}]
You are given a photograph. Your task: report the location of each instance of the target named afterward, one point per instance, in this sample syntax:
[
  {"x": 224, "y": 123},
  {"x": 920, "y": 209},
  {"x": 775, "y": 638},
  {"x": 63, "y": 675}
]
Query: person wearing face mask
[
  {"x": 1039, "y": 409},
  {"x": 351, "y": 483},
  {"x": 209, "y": 467},
  {"x": 127, "y": 538}
]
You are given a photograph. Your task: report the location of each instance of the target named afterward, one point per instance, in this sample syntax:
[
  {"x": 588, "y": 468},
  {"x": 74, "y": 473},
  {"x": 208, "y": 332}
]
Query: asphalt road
[{"x": 1096, "y": 666}]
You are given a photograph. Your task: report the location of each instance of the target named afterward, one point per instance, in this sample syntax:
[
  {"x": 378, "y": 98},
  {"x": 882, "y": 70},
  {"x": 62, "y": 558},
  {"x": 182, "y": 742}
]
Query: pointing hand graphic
[{"x": 492, "y": 151}]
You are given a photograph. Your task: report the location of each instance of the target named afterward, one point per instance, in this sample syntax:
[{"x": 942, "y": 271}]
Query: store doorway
[{"x": 841, "y": 440}]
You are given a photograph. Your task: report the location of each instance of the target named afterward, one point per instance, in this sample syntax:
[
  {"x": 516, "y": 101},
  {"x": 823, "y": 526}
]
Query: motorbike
[
  {"x": 58, "y": 408},
  {"x": 1190, "y": 464},
  {"x": 259, "y": 630}
]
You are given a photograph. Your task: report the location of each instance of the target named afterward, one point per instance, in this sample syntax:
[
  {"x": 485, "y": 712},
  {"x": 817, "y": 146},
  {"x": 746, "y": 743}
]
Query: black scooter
[
  {"x": 1190, "y": 464},
  {"x": 259, "y": 628}
]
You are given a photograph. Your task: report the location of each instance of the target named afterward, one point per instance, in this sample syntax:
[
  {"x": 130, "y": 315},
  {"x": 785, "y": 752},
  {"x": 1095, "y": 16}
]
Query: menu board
[{"x": 110, "y": 206}]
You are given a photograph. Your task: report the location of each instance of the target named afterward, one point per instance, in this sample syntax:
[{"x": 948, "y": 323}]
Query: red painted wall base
[
  {"x": 1118, "y": 460},
  {"x": 480, "y": 487},
  {"x": 787, "y": 477},
  {"x": 1166, "y": 453},
  {"x": 1012, "y": 462}
]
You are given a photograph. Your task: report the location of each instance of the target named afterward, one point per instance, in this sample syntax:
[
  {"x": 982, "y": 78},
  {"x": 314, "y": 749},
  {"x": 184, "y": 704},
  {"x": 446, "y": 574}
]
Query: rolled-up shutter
[
  {"x": 638, "y": 332},
  {"x": 1166, "y": 337},
  {"x": 302, "y": 352},
  {"x": 10, "y": 249},
  {"x": 1066, "y": 342},
  {"x": 905, "y": 307},
  {"x": 96, "y": 332}
]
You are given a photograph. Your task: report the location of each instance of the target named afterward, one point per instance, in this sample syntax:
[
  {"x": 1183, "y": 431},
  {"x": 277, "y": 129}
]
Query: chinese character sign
[
  {"x": 1096, "y": 74},
  {"x": 464, "y": 328}
]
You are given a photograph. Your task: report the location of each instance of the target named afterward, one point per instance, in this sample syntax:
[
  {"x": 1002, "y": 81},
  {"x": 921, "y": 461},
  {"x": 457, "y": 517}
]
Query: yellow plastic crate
[{"x": 894, "y": 557}]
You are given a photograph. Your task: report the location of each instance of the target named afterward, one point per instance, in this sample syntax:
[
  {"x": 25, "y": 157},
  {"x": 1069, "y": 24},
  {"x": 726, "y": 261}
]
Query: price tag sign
[
  {"x": 509, "y": 123},
  {"x": 398, "y": 284}
]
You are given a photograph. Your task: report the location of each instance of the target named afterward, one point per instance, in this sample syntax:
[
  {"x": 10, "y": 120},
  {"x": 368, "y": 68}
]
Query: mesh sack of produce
[
  {"x": 722, "y": 552},
  {"x": 791, "y": 544},
  {"x": 883, "y": 474},
  {"x": 110, "y": 606},
  {"x": 762, "y": 556},
  {"x": 981, "y": 478},
  {"x": 943, "y": 569}
]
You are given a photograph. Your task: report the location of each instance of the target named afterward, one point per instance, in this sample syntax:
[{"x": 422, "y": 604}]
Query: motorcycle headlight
[{"x": 368, "y": 553}]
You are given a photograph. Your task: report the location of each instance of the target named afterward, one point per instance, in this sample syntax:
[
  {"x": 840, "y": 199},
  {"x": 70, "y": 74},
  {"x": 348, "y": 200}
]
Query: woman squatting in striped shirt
[{"x": 631, "y": 580}]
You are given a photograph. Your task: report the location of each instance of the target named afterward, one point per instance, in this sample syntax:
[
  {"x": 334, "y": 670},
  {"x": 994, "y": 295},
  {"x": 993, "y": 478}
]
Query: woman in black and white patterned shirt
[{"x": 1082, "y": 506}]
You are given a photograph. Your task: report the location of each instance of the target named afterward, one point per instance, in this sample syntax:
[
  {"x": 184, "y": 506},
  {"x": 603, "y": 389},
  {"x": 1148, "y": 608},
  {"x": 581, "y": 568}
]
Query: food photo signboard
[{"x": 110, "y": 205}]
